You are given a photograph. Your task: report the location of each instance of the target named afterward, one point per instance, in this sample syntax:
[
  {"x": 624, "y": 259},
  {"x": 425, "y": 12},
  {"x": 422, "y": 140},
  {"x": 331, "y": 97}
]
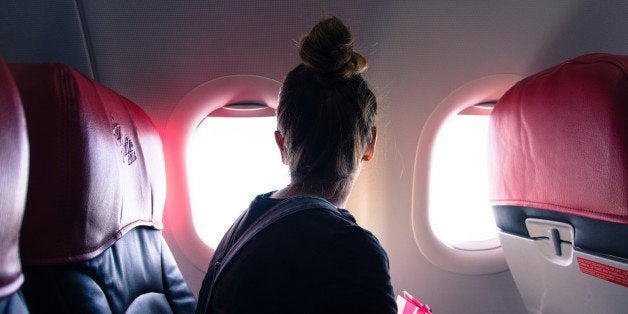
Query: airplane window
[
  {"x": 230, "y": 161},
  {"x": 459, "y": 210},
  {"x": 451, "y": 219},
  {"x": 211, "y": 113}
]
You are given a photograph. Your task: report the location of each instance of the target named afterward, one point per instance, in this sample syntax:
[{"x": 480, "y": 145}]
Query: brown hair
[{"x": 326, "y": 109}]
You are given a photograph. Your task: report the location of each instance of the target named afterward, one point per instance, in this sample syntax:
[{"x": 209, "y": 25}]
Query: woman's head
[{"x": 326, "y": 109}]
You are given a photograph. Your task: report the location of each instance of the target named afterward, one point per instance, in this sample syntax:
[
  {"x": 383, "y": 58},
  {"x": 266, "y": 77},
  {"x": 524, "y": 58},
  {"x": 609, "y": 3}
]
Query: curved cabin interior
[{"x": 186, "y": 92}]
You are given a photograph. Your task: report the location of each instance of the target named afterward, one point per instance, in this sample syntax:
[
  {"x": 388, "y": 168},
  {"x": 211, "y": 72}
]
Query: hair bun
[{"x": 328, "y": 51}]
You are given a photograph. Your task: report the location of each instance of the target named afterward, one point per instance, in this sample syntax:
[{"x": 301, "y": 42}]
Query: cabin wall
[{"x": 155, "y": 52}]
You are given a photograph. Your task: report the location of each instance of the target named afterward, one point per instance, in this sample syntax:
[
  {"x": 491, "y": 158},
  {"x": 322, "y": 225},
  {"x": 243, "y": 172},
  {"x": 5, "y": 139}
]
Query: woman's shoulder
[
  {"x": 350, "y": 273},
  {"x": 338, "y": 222},
  {"x": 339, "y": 235},
  {"x": 319, "y": 257}
]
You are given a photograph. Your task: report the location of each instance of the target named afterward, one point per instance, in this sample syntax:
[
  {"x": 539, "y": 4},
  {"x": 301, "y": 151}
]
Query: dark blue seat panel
[
  {"x": 595, "y": 236},
  {"x": 123, "y": 279}
]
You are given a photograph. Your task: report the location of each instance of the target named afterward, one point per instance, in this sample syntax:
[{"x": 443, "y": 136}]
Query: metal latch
[{"x": 554, "y": 239}]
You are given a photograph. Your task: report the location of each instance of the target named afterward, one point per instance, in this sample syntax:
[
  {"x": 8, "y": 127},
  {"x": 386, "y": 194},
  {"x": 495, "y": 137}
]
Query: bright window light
[
  {"x": 230, "y": 161},
  {"x": 459, "y": 211}
]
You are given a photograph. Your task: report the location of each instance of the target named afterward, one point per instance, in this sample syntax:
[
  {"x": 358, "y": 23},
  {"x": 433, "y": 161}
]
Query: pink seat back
[
  {"x": 90, "y": 239},
  {"x": 97, "y": 167},
  {"x": 559, "y": 140},
  {"x": 558, "y": 160}
]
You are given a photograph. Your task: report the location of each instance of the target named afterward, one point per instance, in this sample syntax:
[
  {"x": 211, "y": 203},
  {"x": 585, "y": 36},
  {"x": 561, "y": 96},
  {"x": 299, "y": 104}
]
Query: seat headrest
[
  {"x": 96, "y": 170},
  {"x": 558, "y": 140},
  {"x": 13, "y": 176}
]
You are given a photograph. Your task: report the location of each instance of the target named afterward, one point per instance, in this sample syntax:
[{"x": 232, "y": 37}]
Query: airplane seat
[
  {"x": 558, "y": 163},
  {"x": 91, "y": 237},
  {"x": 14, "y": 169}
]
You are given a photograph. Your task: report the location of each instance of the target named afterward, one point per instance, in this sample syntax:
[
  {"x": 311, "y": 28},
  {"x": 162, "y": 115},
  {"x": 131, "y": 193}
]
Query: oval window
[
  {"x": 451, "y": 219},
  {"x": 243, "y": 102},
  {"x": 459, "y": 211},
  {"x": 230, "y": 161}
]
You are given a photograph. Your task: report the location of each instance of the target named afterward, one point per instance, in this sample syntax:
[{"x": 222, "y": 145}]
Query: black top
[{"x": 312, "y": 261}]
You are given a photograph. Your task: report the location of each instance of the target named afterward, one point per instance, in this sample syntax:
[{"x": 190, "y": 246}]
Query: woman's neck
[{"x": 335, "y": 193}]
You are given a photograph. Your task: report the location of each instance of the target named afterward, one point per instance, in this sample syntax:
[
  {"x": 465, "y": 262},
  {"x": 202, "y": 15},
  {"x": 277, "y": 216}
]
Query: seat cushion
[
  {"x": 123, "y": 279},
  {"x": 13, "y": 304}
]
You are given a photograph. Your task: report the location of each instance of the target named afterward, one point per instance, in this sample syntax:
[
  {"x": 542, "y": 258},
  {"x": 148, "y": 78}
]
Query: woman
[{"x": 296, "y": 250}]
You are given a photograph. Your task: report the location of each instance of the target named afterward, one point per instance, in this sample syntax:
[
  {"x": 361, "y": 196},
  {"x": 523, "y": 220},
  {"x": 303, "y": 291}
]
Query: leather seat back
[
  {"x": 13, "y": 178},
  {"x": 91, "y": 236},
  {"x": 558, "y": 147}
]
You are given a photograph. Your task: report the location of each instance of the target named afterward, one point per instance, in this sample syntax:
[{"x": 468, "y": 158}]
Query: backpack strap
[{"x": 283, "y": 209}]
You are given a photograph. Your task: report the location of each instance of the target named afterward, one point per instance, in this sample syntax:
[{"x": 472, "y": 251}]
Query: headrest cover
[
  {"x": 13, "y": 176},
  {"x": 558, "y": 140},
  {"x": 97, "y": 167}
]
